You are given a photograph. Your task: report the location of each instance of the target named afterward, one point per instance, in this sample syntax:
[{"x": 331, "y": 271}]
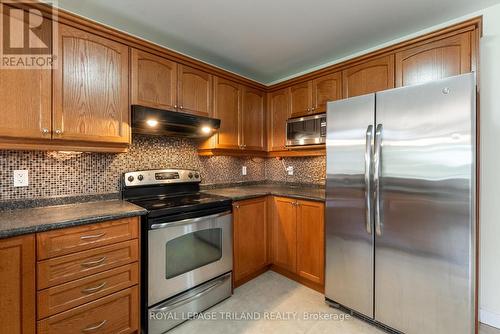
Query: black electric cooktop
[{"x": 167, "y": 205}]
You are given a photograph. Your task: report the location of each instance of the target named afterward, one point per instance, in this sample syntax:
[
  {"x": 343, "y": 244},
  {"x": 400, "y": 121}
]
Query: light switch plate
[
  {"x": 244, "y": 170},
  {"x": 289, "y": 170},
  {"x": 21, "y": 178}
]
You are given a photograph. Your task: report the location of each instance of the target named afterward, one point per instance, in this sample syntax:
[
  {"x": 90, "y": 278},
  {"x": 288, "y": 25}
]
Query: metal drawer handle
[
  {"x": 94, "y": 236},
  {"x": 198, "y": 294},
  {"x": 94, "y": 263},
  {"x": 95, "y": 288},
  {"x": 189, "y": 220},
  {"x": 93, "y": 328}
]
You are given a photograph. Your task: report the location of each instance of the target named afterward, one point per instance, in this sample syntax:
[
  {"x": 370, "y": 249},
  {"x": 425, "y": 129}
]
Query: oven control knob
[
  {"x": 190, "y": 175},
  {"x": 197, "y": 175},
  {"x": 140, "y": 177},
  {"x": 130, "y": 178}
]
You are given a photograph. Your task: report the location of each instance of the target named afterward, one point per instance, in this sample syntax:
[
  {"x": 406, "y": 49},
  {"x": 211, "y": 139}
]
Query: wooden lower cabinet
[
  {"x": 281, "y": 233},
  {"x": 17, "y": 285},
  {"x": 75, "y": 293},
  {"x": 284, "y": 233},
  {"x": 298, "y": 241},
  {"x": 311, "y": 241},
  {"x": 88, "y": 278},
  {"x": 115, "y": 314},
  {"x": 250, "y": 231}
]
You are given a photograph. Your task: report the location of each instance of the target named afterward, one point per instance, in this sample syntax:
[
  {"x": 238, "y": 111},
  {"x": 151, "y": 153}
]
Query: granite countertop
[
  {"x": 31, "y": 220},
  {"x": 241, "y": 192}
]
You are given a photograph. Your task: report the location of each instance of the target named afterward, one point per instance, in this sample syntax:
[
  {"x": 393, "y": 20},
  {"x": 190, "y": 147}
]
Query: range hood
[{"x": 152, "y": 121}]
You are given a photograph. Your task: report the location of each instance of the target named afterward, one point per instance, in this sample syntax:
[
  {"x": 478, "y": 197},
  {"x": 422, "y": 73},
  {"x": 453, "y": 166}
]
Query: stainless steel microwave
[{"x": 308, "y": 130}]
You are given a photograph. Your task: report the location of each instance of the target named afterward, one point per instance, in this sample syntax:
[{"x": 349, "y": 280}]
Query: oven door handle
[
  {"x": 195, "y": 294},
  {"x": 188, "y": 221}
]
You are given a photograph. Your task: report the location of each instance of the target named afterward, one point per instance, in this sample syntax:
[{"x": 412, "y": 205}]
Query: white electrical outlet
[
  {"x": 21, "y": 178},
  {"x": 244, "y": 170},
  {"x": 289, "y": 170}
]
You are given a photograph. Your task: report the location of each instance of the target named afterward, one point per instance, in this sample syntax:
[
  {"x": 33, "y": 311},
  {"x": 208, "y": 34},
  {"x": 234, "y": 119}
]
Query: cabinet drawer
[
  {"x": 66, "y": 296},
  {"x": 75, "y": 239},
  {"x": 74, "y": 266},
  {"x": 114, "y": 314}
]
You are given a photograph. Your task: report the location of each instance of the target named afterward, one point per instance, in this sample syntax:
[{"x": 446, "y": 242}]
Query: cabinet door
[
  {"x": 284, "y": 231},
  {"x": 311, "y": 241},
  {"x": 324, "y": 89},
  {"x": 436, "y": 60},
  {"x": 368, "y": 77},
  {"x": 26, "y": 106},
  {"x": 252, "y": 119},
  {"x": 17, "y": 285},
  {"x": 154, "y": 81},
  {"x": 279, "y": 112},
  {"x": 90, "y": 88},
  {"x": 250, "y": 237},
  {"x": 195, "y": 91},
  {"x": 300, "y": 99},
  {"x": 227, "y": 109}
]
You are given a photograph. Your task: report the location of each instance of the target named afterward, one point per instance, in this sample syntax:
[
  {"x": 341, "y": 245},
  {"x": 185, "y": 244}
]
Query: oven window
[{"x": 193, "y": 250}]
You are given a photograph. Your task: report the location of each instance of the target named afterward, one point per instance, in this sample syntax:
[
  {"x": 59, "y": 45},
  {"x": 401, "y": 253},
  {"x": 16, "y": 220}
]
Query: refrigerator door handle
[
  {"x": 376, "y": 178},
  {"x": 368, "y": 185}
]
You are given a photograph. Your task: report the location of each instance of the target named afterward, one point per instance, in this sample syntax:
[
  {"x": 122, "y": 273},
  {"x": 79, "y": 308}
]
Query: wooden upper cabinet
[
  {"x": 252, "y": 119},
  {"x": 26, "y": 102},
  {"x": 368, "y": 77},
  {"x": 435, "y": 60},
  {"x": 311, "y": 241},
  {"x": 279, "y": 112},
  {"x": 91, "y": 88},
  {"x": 194, "y": 91},
  {"x": 324, "y": 89},
  {"x": 17, "y": 286},
  {"x": 153, "y": 81},
  {"x": 284, "y": 234},
  {"x": 300, "y": 99},
  {"x": 310, "y": 97},
  {"x": 250, "y": 237},
  {"x": 227, "y": 108}
]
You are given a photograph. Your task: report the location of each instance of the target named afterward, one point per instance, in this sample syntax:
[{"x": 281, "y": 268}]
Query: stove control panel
[{"x": 160, "y": 176}]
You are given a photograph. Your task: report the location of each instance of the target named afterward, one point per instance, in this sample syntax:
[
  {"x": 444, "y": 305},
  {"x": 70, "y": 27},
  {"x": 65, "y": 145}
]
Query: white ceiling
[{"x": 267, "y": 40}]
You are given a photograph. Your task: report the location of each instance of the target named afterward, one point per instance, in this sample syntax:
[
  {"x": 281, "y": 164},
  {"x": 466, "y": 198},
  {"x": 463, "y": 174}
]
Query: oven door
[
  {"x": 186, "y": 253},
  {"x": 310, "y": 130}
]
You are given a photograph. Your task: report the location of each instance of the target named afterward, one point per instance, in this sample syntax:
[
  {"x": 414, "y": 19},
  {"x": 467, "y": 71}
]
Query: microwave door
[{"x": 309, "y": 130}]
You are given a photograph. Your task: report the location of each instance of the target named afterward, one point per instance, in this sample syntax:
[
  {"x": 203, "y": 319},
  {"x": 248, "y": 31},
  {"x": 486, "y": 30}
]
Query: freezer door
[
  {"x": 424, "y": 253},
  {"x": 349, "y": 229}
]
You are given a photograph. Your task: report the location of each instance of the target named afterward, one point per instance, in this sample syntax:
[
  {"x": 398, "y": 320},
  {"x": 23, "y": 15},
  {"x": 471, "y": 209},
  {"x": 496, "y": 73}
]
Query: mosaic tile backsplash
[{"x": 53, "y": 174}]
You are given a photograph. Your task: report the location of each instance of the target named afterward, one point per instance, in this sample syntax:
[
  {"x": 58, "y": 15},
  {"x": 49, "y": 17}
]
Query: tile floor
[{"x": 273, "y": 295}]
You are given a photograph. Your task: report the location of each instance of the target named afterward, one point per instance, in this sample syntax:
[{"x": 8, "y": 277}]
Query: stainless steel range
[{"x": 186, "y": 245}]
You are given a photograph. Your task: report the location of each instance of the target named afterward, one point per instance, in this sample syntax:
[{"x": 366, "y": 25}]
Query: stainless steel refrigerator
[{"x": 400, "y": 207}]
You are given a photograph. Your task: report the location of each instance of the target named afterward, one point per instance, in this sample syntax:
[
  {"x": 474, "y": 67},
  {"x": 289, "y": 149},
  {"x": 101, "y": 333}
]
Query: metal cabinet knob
[
  {"x": 59, "y": 132},
  {"x": 45, "y": 131},
  {"x": 236, "y": 206},
  {"x": 175, "y": 106},
  {"x": 182, "y": 107}
]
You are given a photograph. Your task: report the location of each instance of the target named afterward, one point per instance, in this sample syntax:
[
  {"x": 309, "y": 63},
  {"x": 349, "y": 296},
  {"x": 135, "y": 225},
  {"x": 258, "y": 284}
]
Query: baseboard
[
  {"x": 315, "y": 286},
  {"x": 250, "y": 277},
  {"x": 489, "y": 318}
]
